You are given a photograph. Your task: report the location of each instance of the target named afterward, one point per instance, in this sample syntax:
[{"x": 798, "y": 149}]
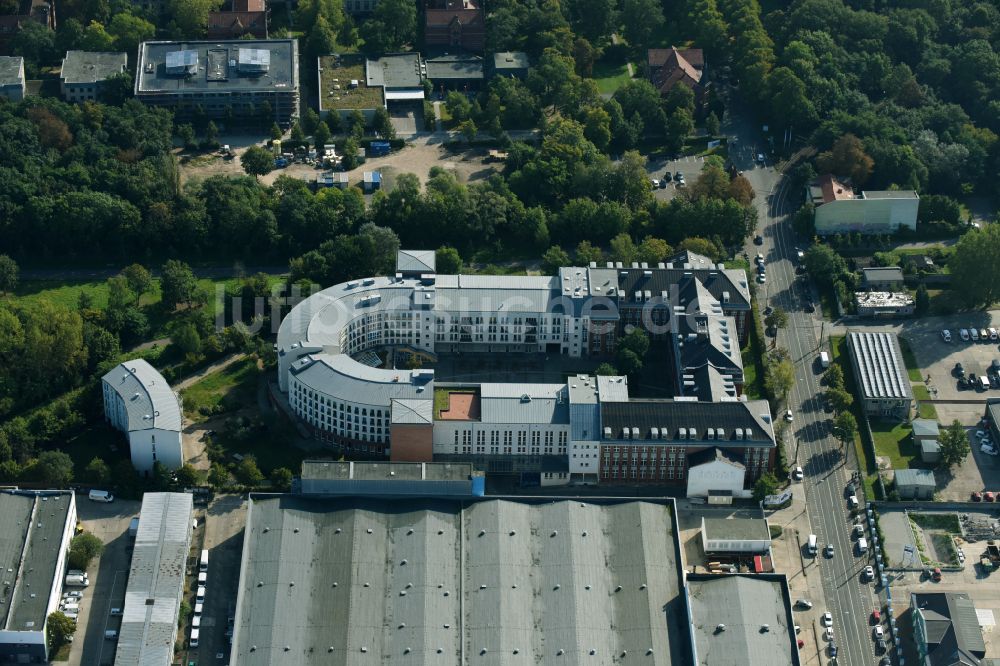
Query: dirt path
[{"x": 218, "y": 366}]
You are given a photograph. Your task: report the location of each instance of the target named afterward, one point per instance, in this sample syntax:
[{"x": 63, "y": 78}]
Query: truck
[
  {"x": 824, "y": 360},
  {"x": 379, "y": 148}
]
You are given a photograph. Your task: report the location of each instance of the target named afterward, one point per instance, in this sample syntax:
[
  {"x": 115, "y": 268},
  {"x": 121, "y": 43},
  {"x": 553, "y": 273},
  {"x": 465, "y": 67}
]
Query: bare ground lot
[{"x": 416, "y": 158}]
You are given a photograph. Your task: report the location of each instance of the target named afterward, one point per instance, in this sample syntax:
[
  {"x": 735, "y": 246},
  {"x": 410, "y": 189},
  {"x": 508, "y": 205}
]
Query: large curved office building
[{"x": 337, "y": 348}]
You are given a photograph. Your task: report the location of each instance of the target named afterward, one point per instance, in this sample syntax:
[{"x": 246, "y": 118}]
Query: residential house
[
  {"x": 455, "y": 24},
  {"x": 669, "y": 67},
  {"x": 241, "y": 18}
]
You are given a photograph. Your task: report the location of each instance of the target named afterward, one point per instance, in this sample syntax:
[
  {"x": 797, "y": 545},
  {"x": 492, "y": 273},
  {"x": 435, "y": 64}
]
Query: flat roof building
[
  {"x": 397, "y": 479},
  {"x": 156, "y": 581},
  {"x": 455, "y": 71},
  {"x": 429, "y": 581},
  {"x": 884, "y": 304},
  {"x": 139, "y": 402},
  {"x": 915, "y": 483},
  {"x": 511, "y": 63},
  {"x": 224, "y": 78},
  {"x": 741, "y": 619},
  {"x": 12, "y": 78},
  {"x": 83, "y": 73},
  {"x": 735, "y": 535},
  {"x": 35, "y": 531},
  {"x": 882, "y": 278},
  {"x": 880, "y": 374}
]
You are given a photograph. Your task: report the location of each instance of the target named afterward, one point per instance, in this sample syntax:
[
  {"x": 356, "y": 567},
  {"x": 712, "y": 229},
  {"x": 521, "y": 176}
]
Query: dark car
[
  {"x": 663, "y": 184},
  {"x": 959, "y": 370},
  {"x": 809, "y": 307},
  {"x": 768, "y": 310},
  {"x": 758, "y": 240},
  {"x": 880, "y": 645},
  {"x": 678, "y": 177},
  {"x": 833, "y": 650},
  {"x": 666, "y": 175},
  {"x": 850, "y": 489}
]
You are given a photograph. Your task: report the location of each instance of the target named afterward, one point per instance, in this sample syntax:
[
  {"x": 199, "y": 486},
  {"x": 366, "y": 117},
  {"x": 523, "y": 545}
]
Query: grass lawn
[
  {"x": 235, "y": 385},
  {"x": 609, "y": 76},
  {"x": 894, "y": 441},
  {"x": 926, "y": 409},
  {"x": 440, "y": 401},
  {"x": 271, "y": 446},
  {"x": 753, "y": 355},
  {"x": 912, "y": 367}
]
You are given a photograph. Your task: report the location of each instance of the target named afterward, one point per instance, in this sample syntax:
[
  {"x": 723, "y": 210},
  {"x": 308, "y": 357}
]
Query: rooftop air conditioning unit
[
  {"x": 682, "y": 434},
  {"x": 654, "y": 433},
  {"x": 635, "y": 433},
  {"x": 739, "y": 433},
  {"x": 692, "y": 433},
  {"x": 624, "y": 433},
  {"x": 711, "y": 433}
]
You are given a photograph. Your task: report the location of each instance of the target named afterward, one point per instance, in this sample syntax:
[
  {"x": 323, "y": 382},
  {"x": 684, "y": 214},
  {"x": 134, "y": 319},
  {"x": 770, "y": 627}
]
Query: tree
[
  {"x": 139, "y": 280},
  {"x": 54, "y": 468},
  {"x": 321, "y": 135},
  {"x": 129, "y": 31},
  {"x": 847, "y": 158},
  {"x": 628, "y": 361},
  {"x": 187, "y": 339},
  {"x": 59, "y": 629},
  {"x": 712, "y": 125},
  {"x": 191, "y": 16},
  {"x": 257, "y": 161},
  {"x": 554, "y": 259},
  {"x": 9, "y": 272},
  {"x": 823, "y": 264},
  {"x": 804, "y": 221},
  {"x": 96, "y": 38},
  {"x": 923, "y": 301},
  {"x": 954, "y": 445},
  {"x": 975, "y": 266},
  {"x": 845, "y": 426},
  {"x": 587, "y": 253},
  {"x": 839, "y": 399},
  {"x": 322, "y": 39},
  {"x": 700, "y": 246},
  {"x": 281, "y": 478},
  {"x": 597, "y": 126},
  {"x": 187, "y": 476},
  {"x": 642, "y": 19},
  {"x": 97, "y": 472},
  {"x": 399, "y": 20},
  {"x": 383, "y": 124},
  {"x": 218, "y": 476},
  {"x": 276, "y": 132},
  {"x": 468, "y": 129},
  {"x": 606, "y": 370},
  {"x": 766, "y": 485},
  {"x": 186, "y": 134},
  {"x": 834, "y": 377},
  {"x": 777, "y": 319},
  {"x": 296, "y": 134},
  {"x": 247, "y": 472},
  {"x": 636, "y": 341},
  {"x": 779, "y": 378},
  {"x": 654, "y": 250},
  {"x": 309, "y": 121},
  {"x": 447, "y": 260},
  {"x": 83, "y": 549},
  {"x": 623, "y": 249},
  {"x": 679, "y": 97},
  {"x": 120, "y": 295},
  {"x": 679, "y": 125},
  {"x": 177, "y": 283}
]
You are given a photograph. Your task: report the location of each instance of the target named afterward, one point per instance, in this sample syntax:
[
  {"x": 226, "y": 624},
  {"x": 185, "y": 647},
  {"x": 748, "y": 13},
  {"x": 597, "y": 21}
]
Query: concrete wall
[{"x": 168, "y": 449}]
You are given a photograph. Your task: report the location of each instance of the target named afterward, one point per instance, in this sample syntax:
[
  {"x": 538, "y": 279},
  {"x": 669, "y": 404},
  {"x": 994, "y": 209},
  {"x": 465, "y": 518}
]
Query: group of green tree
[{"x": 840, "y": 400}]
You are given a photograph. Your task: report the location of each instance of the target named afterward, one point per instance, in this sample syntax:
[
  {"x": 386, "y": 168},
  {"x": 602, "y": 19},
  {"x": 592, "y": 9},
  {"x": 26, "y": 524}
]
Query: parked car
[
  {"x": 878, "y": 631},
  {"x": 994, "y": 334},
  {"x": 876, "y": 616},
  {"x": 827, "y": 619},
  {"x": 869, "y": 573},
  {"x": 984, "y": 334},
  {"x": 762, "y": 278},
  {"x": 829, "y": 550},
  {"x": 977, "y": 496},
  {"x": 758, "y": 240},
  {"x": 663, "y": 184},
  {"x": 678, "y": 177},
  {"x": 946, "y": 335},
  {"x": 988, "y": 450},
  {"x": 667, "y": 176},
  {"x": 988, "y": 496},
  {"x": 788, "y": 415},
  {"x": 809, "y": 307},
  {"x": 959, "y": 370},
  {"x": 803, "y": 603},
  {"x": 964, "y": 334},
  {"x": 760, "y": 158},
  {"x": 797, "y": 474}
]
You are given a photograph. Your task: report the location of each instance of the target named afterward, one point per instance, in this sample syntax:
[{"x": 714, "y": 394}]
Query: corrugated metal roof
[
  {"x": 149, "y": 400},
  {"x": 879, "y": 363},
  {"x": 535, "y": 581},
  {"x": 743, "y": 604},
  {"x": 156, "y": 581}
]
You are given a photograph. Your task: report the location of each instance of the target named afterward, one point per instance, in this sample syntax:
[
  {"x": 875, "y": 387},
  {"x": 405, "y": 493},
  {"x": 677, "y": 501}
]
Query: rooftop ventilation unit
[
  {"x": 254, "y": 61},
  {"x": 739, "y": 433},
  {"x": 607, "y": 432},
  {"x": 720, "y": 433},
  {"x": 624, "y": 433},
  {"x": 692, "y": 433},
  {"x": 711, "y": 433},
  {"x": 654, "y": 433},
  {"x": 635, "y": 433},
  {"x": 664, "y": 433},
  {"x": 682, "y": 433}
]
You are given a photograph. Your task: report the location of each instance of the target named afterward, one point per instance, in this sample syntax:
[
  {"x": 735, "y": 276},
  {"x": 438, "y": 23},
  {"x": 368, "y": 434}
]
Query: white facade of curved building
[{"x": 139, "y": 402}]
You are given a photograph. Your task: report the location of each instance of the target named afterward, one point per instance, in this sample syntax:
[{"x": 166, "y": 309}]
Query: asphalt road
[{"x": 827, "y": 467}]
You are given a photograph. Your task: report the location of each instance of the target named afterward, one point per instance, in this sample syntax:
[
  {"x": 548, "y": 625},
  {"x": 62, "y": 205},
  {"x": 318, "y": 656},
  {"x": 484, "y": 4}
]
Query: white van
[
  {"x": 194, "y": 637},
  {"x": 196, "y": 621},
  {"x": 824, "y": 359},
  {"x": 200, "y": 596},
  {"x": 71, "y": 608},
  {"x": 852, "y": 502},
  {"x": 101, "y": 496},
  {"x": 203, "y": 578},
  {"x": 110, "y": 635},
  {"x": 77, "y": 581},
  {"x": 862, "y": 545},
  {"x": 203, "y": 563},
  {"x": 812, "y": 544}
]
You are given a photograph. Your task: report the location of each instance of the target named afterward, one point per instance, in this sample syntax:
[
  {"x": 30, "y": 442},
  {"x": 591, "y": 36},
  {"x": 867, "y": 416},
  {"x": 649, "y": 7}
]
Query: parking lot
[
  {"x": 937, "y": 358},
  {"x": 221, "y": 534},
  {"x": 108, "y": 578}
]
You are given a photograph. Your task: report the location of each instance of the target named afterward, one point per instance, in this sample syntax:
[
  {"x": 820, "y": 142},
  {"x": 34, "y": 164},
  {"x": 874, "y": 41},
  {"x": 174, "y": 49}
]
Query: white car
[
  {"x": 762, "y": 278},
  {"x": 797, "y": 474},
  {"x": 827, "y": 619},
  {"x": 198, "y": 608},
  {"x": 964, "y": 334},
  {"x": 760, "y": 258},
  {"x": 869, "y": 573},
  {"x": 988, "y": 450},
  {"x": 946, "y": 335},
  {"x": 788, "y": 415},
  {"x": 879, "y": 632},
  {"x": 994, "y": 334},
  {"x": 974, "y": 334},
  {"x": 829, "y": 635}
]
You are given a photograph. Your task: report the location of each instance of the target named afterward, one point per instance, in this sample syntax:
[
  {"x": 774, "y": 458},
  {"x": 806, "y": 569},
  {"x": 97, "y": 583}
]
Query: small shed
[
  {"x": 735, "y": 535},
  {"x": 915, "y": 484},
  {"x": 930, "y": 450},
  {"x": 925, "y": 429},
  {"x": 336, "y": 179},
  {"x": 372, "y": 181}
]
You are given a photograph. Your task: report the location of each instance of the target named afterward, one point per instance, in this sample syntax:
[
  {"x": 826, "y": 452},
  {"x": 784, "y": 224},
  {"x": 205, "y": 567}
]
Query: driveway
[{"x": 898, "y": 538}]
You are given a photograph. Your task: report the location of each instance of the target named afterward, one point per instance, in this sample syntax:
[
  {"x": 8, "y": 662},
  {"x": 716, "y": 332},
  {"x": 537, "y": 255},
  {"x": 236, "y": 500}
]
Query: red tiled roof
[
  {"x": 445, "y": 17},
  {"x": 833, "y": 189},
  {"x": 668, "y": 67}
]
